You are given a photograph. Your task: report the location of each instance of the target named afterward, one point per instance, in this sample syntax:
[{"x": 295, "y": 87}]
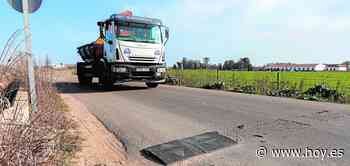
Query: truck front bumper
[{"x": 147, "y": 73}]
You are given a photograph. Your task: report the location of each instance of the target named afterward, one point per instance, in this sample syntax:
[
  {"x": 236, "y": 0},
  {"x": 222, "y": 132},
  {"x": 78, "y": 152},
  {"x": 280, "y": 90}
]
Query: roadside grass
[
  {"x": 67, "y": 141},
  {"x": 45, "y": 137},
  {"x": 265, "y": 83},
  {"x": 198, "y": 78},
  {"x": 70, "y": 139}
]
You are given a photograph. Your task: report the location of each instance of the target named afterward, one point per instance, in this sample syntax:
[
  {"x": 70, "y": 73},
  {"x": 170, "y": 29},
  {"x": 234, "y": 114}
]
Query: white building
[
  {"x": 295, "y": 67},
  {"x": 320, "y": 67},
  {"x": 342, "y": 68},
  {"x": 336, "y": 67},
  {"x": 305, "y": 67}
]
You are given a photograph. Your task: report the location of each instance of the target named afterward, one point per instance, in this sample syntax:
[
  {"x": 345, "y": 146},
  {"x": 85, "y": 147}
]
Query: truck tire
[
  {"x": 84, "y": 80},
  {"x": 152, "y": 85}
]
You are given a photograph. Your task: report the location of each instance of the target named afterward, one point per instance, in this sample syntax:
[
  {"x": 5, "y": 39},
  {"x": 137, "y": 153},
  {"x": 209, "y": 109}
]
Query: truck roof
[{"x": 135, "y": 19}]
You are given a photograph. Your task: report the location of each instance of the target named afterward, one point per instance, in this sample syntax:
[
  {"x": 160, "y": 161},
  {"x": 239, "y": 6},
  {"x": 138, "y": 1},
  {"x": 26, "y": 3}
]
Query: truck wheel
[
  {"x": 84, "y": 80},
  {"x": 152, "y": 85}
]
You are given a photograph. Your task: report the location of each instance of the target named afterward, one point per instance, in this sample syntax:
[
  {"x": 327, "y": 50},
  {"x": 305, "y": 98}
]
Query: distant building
[
  {"x": 305, "y": 67},
  {"x": 58, "y": 66},
  {"x": 295, "y": 67},
  {"x": 343, "y": 68},
  {"x": 70, "y": 66},
  {"x": 336, "y": 67},
  {"x": 320, "y": 67},
  {"x": 258, "y": 68}
]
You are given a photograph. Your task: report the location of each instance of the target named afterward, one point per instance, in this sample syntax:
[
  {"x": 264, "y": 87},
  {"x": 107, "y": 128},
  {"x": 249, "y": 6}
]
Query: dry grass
[
  {"x": 38, "y": 139},
  {"x": 32, "y": 138}
]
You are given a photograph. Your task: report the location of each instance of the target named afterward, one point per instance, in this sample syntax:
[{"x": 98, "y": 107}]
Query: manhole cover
[{"x": 183, "y": 149}]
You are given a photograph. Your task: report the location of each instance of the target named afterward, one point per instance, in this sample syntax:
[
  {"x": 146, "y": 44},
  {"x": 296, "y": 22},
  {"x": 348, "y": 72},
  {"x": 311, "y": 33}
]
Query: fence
[{"x": 266, "y": 83}]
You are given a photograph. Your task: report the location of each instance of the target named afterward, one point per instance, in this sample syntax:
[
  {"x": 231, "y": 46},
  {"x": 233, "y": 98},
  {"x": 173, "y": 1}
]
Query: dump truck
[{"x": 129, "y": 48}]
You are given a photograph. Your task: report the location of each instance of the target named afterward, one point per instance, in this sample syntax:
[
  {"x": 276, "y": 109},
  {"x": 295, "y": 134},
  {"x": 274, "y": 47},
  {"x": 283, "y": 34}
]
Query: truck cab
[{"x": 129, "y": 48}]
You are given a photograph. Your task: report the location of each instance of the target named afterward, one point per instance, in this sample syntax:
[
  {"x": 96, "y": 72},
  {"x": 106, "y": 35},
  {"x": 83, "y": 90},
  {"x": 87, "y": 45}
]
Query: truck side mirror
[
  {"x": 100, "y": 25},
  {"x": 165, "y": 34}
]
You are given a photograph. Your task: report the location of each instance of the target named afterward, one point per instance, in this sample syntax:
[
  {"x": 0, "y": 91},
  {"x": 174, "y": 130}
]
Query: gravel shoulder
[{"x": 99, "y": 146}]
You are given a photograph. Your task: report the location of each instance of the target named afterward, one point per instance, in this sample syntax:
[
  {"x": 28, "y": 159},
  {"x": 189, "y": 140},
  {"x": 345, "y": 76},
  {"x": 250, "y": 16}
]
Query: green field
[{"x": 264, "y": 81}]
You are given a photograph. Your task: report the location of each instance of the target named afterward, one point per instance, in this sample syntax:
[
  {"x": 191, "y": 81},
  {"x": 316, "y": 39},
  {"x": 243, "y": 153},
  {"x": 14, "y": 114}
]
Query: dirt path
[{"x": 99, "y": 146}]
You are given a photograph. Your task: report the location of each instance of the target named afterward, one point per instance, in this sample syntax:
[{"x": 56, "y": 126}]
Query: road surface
[{"x": 144, "y": 117}]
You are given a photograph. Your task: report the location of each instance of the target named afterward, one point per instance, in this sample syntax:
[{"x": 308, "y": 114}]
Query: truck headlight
[
  {"x": 127, "y": 52},
  {"x": 157, "y": 53},
  {"x": 161, "y": 70}
]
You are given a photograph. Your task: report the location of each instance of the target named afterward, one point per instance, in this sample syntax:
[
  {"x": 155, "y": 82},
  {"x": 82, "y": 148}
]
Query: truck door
[
  {"x": 110, "y": 46},
  {"x": 165, "y": 38}
]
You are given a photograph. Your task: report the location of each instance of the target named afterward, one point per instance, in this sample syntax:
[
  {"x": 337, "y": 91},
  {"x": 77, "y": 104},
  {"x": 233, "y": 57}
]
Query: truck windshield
[{"x": 139, "y": 33}]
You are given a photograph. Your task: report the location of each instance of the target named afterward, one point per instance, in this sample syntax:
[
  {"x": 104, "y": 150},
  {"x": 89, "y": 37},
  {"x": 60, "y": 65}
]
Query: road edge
[{"x": 99, "y": 146}]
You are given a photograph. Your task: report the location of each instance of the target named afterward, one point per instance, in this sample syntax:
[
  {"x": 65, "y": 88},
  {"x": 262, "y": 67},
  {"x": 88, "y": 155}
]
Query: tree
[
  {"x": 346, "y": 63},
  {"x": 197, "y": 64},
  {"x": 206, "y": 61},
  {"x": 229, "y": 65},
  {"x": 47, "y": 61},
  {"x": 244, "y": 64},
  {"x": 179, "y": 65},
  {"x": 220, "y": 66},
  {"x": 189, "y": 64},
  {"x": 184, "y": 62}
]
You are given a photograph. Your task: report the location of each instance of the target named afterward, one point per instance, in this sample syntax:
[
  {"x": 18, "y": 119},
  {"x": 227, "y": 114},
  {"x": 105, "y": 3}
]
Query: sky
[{"x": 298, "y": 31}]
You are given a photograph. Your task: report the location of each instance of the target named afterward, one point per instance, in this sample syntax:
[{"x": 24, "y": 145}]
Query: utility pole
[
  {"x": 28, "y": 52},
  {"x": 26, "y": 7}
]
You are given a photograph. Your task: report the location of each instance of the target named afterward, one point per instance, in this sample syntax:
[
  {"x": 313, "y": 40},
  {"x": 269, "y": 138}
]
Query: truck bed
[{"x": 90, "y": 52}]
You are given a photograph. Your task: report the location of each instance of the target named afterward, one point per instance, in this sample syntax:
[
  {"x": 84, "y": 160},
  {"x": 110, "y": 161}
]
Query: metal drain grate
[{"x": 183, "y": 149}]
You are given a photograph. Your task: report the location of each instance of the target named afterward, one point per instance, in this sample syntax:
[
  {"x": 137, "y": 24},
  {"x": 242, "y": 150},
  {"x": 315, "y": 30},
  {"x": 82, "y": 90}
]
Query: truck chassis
[{"x": 110, "y": 73}]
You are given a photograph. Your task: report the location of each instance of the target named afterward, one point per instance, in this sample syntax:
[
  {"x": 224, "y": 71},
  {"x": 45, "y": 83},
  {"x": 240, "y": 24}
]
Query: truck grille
[
  {"x": 142, "y": 59},
  {"x": 143, "y": 74}
]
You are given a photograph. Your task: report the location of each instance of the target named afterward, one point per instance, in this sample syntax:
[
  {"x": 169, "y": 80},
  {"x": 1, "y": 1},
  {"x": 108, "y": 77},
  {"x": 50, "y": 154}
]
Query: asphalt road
[{"x": 143, "y": 117}]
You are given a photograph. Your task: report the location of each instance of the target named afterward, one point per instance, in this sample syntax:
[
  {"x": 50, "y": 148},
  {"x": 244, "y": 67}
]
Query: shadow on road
[
  {"x": 72, "y": 87},
  {"x": 151, "y": 157}
]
